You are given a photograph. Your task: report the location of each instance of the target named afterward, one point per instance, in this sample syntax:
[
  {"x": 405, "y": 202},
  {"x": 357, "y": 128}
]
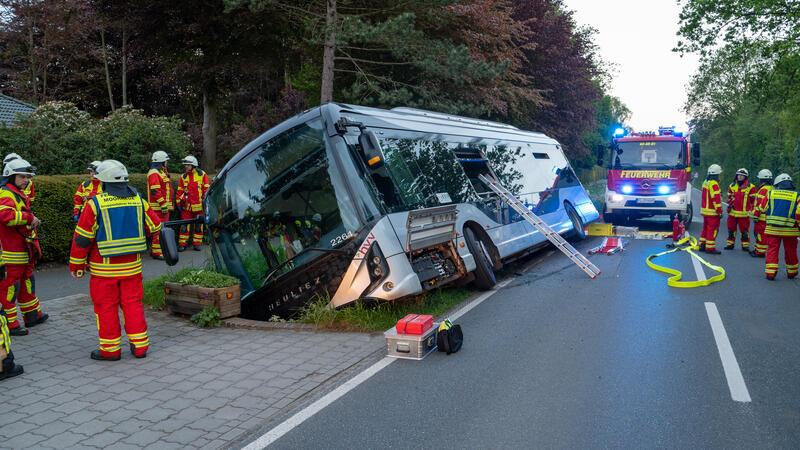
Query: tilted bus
[{"x": 320, "y": 205}]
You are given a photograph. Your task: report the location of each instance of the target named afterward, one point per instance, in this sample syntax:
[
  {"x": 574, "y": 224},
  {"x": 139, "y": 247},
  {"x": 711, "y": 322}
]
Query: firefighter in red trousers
[
  {"x": 85, "y": 191},
  {"x": 782, "y": 212},
  {"x": 7, "y": 367},
  {"x": 192, "y": 188},
  {"x": 159, "y": 195},
  {"x": 760, "y": 222},
  {"x": 711, "y": 210},
  {"x": 741, "y": 197},
  {"x": 110, "y": 238},
  {"x": 29, "y": 190},
  {"x": 20, "y": 248}
]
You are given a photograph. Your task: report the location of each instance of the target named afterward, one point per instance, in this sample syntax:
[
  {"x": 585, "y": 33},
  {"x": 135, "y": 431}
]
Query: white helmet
[
  {"x": 782, "y": 177},
  {"x": 190, "y": 160},
  {"x": 317, "y": 217},
  {"x": 93, "y": 166},
  {"x": 160, "y": 157},
  {"x": 18, "y": 166},
  {"x": 714, "y": 169},
  {"x": 10, "y": 157},
  {"x": 743, "y": 171},
  {"x": 112, "y": 171},
  {"x": 764, "y": 174}
]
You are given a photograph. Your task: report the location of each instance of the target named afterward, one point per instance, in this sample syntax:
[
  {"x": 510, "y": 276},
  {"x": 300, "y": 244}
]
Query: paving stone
[
  {"x": 108, "y": 405},
  {"x": 44, "y": 418},
  {"x": 163, "y": 445},
  {"x": 142, "y": 404},
  {"x": 229, "y": 413},
  {"x": 144, "y": 437},
  {"x": 62, "y": 440},
  {"x": 156, "y": 414},
  {"x": 170, "y": 425},
  {"x": 123, "y": 446},
  {"x": 72, "y": 407},
  {"x": 28, "y": 440},
  {"x": 55, "y": 428},
  {"x": 184, "y": 435},
  {"x": 103, "y": 439}
]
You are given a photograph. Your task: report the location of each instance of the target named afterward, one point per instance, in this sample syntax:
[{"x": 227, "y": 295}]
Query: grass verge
[
  {"x": 596, "y": 191},
  {"x": 379, "y": 316}
]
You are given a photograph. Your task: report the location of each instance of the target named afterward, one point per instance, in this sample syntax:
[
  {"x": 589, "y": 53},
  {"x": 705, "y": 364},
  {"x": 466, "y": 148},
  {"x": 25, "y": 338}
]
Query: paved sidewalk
[{"x": 196, "y": 388}]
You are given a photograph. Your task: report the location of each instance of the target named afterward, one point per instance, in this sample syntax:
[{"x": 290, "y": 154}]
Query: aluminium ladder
[{"x": 539, "y": 224}]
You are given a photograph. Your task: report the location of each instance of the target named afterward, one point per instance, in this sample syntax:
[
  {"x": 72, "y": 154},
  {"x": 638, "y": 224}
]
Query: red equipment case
[{"x": 416, "y": 324}]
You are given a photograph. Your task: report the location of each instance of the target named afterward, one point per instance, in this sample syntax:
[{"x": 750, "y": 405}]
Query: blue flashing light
[
  {"x": 619, "y": 132},
  {"x": 627, "y": 189},
  {"x": 664, "y": 190}
]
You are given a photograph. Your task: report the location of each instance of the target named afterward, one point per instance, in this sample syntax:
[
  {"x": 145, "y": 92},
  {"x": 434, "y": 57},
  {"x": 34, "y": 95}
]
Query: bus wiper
[{"x": 280, "y": 266}]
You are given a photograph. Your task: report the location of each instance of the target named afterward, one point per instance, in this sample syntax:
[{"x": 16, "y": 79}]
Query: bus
[{"x": 344, "y": 202}]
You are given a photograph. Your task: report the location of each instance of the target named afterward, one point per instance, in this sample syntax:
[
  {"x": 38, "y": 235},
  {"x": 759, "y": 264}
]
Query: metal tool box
[{"x": 410, "y": 346}]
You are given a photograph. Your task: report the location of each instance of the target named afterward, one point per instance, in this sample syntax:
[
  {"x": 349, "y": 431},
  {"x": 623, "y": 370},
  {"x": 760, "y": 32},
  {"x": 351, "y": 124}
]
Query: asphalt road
[{"x": 555, "y": 359}]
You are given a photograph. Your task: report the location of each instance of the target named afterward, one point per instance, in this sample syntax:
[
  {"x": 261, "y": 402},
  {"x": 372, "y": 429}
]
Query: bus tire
[
  {"x": 484, "y": 275},
  {"x": 577, "y": 233}
]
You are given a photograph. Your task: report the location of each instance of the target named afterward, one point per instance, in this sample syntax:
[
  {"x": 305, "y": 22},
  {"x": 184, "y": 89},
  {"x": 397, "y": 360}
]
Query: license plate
[{"x": 646, "y": 200}]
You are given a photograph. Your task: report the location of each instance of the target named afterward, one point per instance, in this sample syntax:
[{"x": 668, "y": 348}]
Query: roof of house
[{"x": 10, "y": 107}]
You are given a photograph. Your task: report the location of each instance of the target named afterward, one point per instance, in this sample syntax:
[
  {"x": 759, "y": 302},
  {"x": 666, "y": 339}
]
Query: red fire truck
[{"x": 649, "y": 174}]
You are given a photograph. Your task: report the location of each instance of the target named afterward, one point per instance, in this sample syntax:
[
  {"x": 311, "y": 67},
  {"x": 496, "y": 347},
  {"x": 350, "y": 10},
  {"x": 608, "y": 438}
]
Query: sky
[{"x": 638, "y": 37}]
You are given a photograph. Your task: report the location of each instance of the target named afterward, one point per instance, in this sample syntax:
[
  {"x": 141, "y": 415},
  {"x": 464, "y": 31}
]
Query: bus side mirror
[
  {"x": 168, "y": 245},
  {"x": 600, "y": 151},
  {"x": 371, "y": 148},
  {"x": 696, "y": 153}
]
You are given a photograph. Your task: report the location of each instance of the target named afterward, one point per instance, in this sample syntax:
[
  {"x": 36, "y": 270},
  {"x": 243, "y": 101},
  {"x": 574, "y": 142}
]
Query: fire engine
[{"x": 649, "y": 174}]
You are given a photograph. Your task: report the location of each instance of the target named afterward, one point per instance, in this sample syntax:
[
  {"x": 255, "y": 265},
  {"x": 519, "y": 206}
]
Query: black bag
[{"x": 449, "y": 337}]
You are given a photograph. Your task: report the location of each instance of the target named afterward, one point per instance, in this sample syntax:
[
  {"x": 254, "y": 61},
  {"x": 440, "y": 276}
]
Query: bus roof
[{"x": 400, "y": 118}]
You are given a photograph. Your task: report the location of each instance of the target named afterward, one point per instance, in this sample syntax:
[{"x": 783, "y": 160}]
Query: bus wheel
[
  {"x": 578, "y": 233},
  {"x": 484, "y": 275}
]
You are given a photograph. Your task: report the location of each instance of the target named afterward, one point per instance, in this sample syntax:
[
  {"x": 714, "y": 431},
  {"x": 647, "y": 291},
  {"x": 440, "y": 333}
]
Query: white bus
[{"x": 322, "y": 204}]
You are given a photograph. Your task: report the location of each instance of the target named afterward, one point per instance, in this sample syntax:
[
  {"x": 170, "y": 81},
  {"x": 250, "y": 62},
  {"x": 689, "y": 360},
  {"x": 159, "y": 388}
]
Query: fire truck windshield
[{"x": 650, "y": 155}]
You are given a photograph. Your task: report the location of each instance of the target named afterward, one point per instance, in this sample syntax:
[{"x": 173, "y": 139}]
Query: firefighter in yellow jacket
[
  {"x": 30, "y": 190},
  {"x": 159, "y": 195},
  {"x": 782, "y": 212},
  {"x": 192, "y": 189}
]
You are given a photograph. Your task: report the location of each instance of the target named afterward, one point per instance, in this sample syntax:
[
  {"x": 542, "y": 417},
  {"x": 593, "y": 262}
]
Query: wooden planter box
[{"x": 189, "y": 299}]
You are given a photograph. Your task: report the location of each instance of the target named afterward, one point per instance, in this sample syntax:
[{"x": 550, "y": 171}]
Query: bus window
[{"x": 280, "y": 200}]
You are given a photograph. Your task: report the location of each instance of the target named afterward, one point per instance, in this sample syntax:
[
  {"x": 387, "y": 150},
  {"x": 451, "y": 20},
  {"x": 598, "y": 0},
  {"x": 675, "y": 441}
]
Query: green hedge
[{"x": 53, "y": 205}]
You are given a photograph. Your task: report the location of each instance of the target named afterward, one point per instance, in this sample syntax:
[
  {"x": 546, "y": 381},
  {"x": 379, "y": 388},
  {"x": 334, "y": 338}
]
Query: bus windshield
[
  {"x": 278, "y": 203},
  {"x": 650, "y": 155}
]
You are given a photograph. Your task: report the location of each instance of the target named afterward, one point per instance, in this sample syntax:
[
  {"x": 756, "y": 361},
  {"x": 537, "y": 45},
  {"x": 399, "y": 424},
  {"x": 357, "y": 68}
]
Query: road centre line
[
  {"x": 733, "y": 373},
  {"x": 309, "y": 411}
]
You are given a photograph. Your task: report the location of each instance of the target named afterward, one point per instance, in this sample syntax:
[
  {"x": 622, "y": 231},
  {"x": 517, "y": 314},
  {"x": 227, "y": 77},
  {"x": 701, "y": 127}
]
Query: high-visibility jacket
[
  {"x": 111, "y": 234},
  {"x": 30, "y": 191},
  {"x": 85, "y": 191},
  {"x": 782, "y": 213},
  {"x": 711, "y": 201},
  {"x": 16, "y": 233},
  {"x": 159, "y": 190},
  {"x": 761, "y": 198},
  {"x": 741, "y": 198},
  {"x": 192, "y": 189}
]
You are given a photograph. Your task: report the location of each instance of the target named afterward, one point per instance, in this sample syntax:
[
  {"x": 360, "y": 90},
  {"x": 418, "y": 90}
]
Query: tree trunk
[
  {"x": 105, "y": 64},
  {"x": 124, "y": 66},
  {"x": 34, "y": 84},
  {"x": 209, "y": 131},
  {"x": 326, "y": 94}
]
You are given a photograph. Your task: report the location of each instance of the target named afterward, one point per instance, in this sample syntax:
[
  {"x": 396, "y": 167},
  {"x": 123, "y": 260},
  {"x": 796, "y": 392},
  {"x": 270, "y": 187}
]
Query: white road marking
[
  {"x": 698, "y": 269},
  {"x": 306, "y": 413},
  {"x": 733, "y": 373}
]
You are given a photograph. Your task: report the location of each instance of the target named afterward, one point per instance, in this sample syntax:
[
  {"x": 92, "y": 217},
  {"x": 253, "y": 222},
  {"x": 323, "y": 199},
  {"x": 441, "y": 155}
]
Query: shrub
[{"x": 58, "y": 138}]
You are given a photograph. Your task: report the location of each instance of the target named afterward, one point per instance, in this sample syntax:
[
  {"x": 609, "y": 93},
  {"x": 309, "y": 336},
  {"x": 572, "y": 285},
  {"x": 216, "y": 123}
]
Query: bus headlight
[{"x": 376, "y": 264}]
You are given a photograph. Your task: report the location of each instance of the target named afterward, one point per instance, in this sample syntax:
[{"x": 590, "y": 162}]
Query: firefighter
[
  {"x": 760, "y": 222},
  {"x": 7, "y": 367},
  {"x": 85, "y": 191},
  {"x": 20, "y": 249},
  {"x": 159, "y": 195},
  {"x": 192, "y": 188},
  {"x": 711, "y": 210},
  {"x": 30, "y": 190},
  {"x": 109, "y": 239},
  {"x": 741, "y": 196},
  {"x": 783, "y": 226}
]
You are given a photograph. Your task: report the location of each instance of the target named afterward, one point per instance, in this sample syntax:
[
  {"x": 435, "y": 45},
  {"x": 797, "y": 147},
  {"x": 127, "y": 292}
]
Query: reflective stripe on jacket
[{"x": 781, "y": 213}]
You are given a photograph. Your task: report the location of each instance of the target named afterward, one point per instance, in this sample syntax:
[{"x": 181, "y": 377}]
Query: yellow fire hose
[{"x": 687, "y": 244}]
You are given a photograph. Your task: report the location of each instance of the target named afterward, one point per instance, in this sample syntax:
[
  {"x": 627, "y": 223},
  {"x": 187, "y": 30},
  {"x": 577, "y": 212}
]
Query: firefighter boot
[
  {"x": 19, "y": 331},
  {"x": 713, "y": 252},
  {"x": 702, "y": 247},
  {"x": 755, "y": 254},
  {"x": 181, "y": 248},
  {"x": 34, "y": 318},
  {"x": 139, "y": 354},
  {"x": 99, "y": 356},
  {"x": 731, "y": 241},
  {"x": 7, "y": 368},
  {"x": 197, "y": 248}
]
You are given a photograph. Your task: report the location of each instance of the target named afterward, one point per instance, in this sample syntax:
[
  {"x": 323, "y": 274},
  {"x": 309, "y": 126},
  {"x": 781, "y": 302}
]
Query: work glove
[
  {"x": 75, "y": 218},
  {"x": 164, "y": 209}
]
